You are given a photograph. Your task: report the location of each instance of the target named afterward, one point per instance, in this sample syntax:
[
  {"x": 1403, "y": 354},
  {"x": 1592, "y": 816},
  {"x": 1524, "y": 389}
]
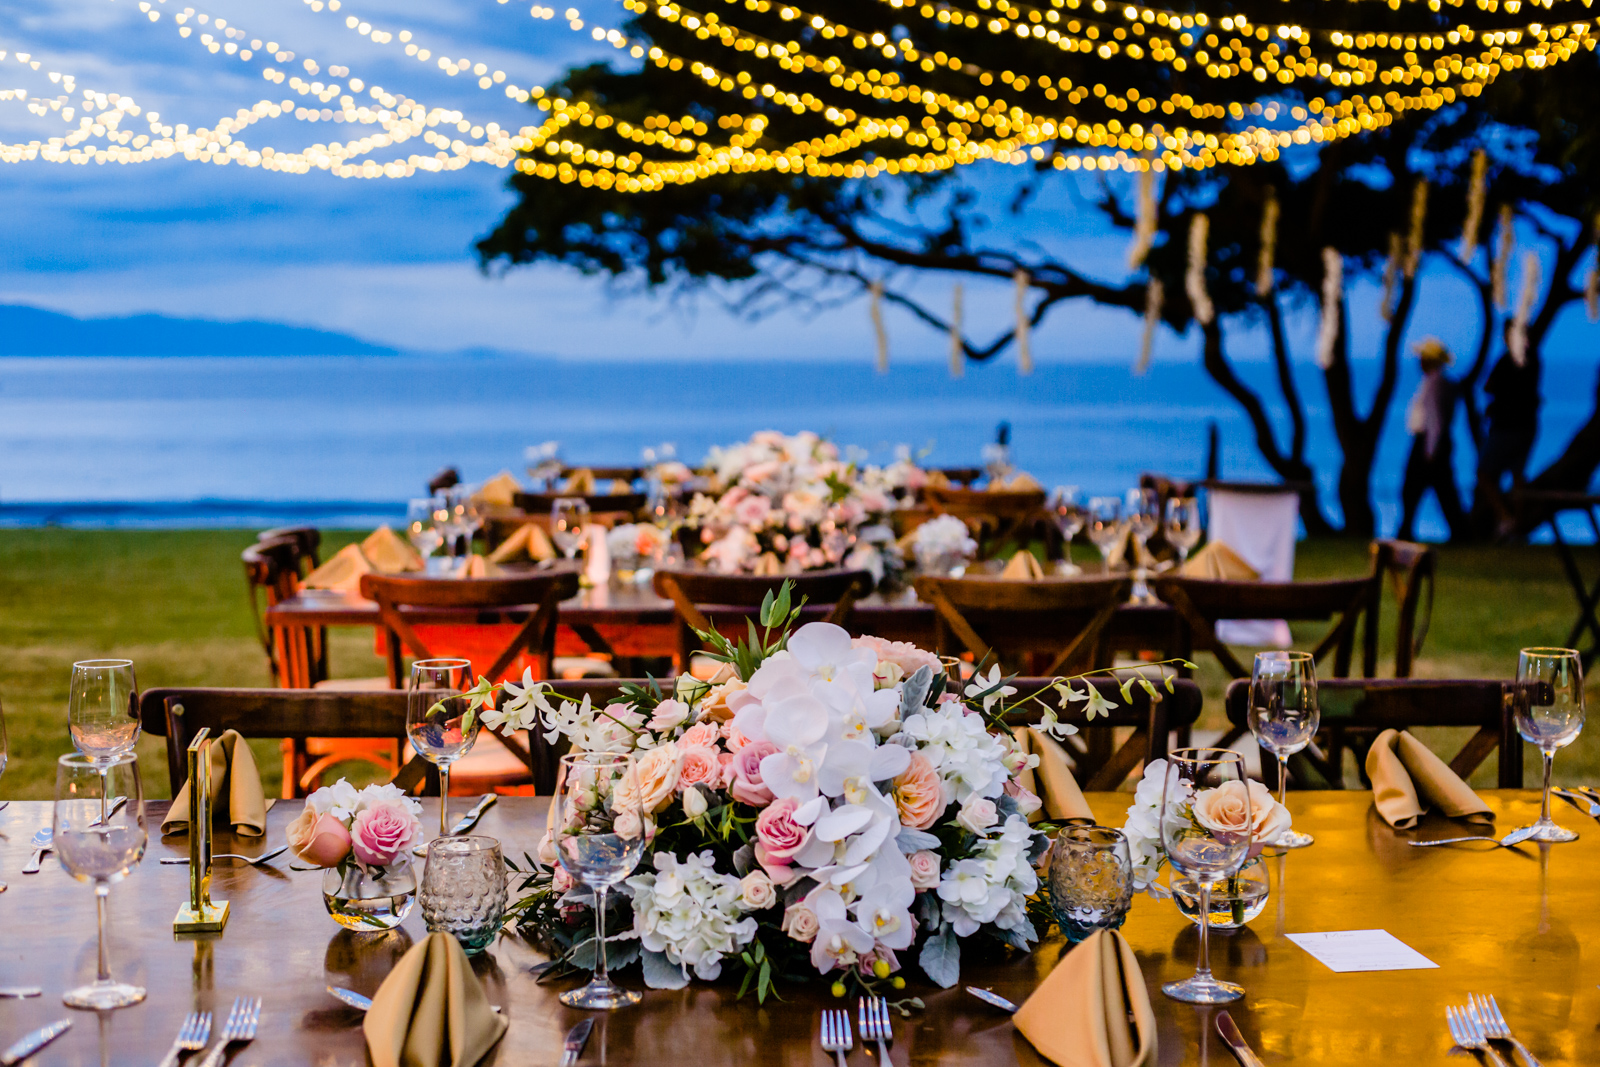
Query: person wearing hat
[{"x": 1431, "y": 464}]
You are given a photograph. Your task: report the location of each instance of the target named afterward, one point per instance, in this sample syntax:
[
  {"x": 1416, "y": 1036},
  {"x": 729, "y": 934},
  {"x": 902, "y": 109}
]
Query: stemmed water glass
[
  {"x": 1104, "y": 525},
  {"x": 438, "y": 723},
  {"x": 99, "y": 849},
  {"x": 598, "y": 834},
  {"x": 569, "y": 524},
  {"x": 468, "y": 517},
  {"x": 1205, "y": 856},
  {"x": 103, "y": 709},
  {"x": 1143, "y": 512},
  {"x": 1066, "y": 505},
  {"x": 1284, "y": 715},
  {"x": 422, "y": 527},
  {"x": 1183, "y": 526},
  {"x": 1553, "y": 724}
]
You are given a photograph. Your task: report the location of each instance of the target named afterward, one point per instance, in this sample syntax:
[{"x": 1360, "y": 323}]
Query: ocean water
[{"x": 245, "y": 441}]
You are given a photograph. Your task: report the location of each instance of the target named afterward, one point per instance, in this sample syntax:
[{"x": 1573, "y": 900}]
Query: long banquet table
[{"x": 1509, "y": 923}]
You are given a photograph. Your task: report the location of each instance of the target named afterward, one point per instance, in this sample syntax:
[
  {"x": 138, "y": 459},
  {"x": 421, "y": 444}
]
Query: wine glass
[
  {"x": 1066, "y": 504},
  {"x": 421, "y": 529},
  {"x": 544, "y": 464},
  {"x": 599, "y": 836},
  {"x": 1143, "y": 512},
  {"x": 103, "y": 709},
  {"x": 437, "y": 721},
  {"x": 99, "y": 849},
  {"x": 1183, "y": 526},
  {"x": 1204, "y": 855},
  {"x": 1284, "y": 715},
  {"x": 1104, "y": 525},
  {"x": 569, "y": 524},
  {"x": 449, "y": 523},
  {"x": 468, "y": 517},
  {"x": 1553, "y": 724}
]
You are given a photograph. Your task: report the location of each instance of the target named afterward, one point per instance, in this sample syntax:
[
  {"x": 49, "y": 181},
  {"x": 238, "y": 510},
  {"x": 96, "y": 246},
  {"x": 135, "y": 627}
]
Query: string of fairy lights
[{"x": 1432, "y": 69}]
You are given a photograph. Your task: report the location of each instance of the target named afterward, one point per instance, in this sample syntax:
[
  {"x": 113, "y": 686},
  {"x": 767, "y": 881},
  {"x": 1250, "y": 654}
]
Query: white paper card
[{"x": 1362, "y": 950}]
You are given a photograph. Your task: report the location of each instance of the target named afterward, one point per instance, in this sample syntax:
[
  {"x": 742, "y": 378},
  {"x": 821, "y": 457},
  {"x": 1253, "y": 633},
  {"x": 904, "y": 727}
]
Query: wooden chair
[
  {"x": 447, "y": 478},
  {"x": 605, "y": 508},
  {"x": 608, "y": 474},
  {"x": 1062, "y": 618},
  {"x": 994, "y": 517},
  {"x": 1408, "y": 568},
  {"x": 962, "y": 476},
  {"x": 703, "y": 599},
  {"x": 307, "y": 538},
  {"x": 1355, "y": 711},
  {"x": 272, "y": 571},
  {"x": 1099, "y": 764}
]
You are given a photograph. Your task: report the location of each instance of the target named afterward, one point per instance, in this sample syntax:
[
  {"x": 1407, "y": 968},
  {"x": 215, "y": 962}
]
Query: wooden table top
[{"x": 1508, "y": 923}]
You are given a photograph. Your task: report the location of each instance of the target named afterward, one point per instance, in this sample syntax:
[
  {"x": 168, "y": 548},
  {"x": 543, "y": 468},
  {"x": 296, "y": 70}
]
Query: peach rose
[
  {"x": 627, "y": 824},
  {"x": 800, "y": 923},
  {"x": 698, "y": 765},
  {"x": 714, "y": 705},
  {"x": 924, "y": 869},
  {"x": 701, "y": 733},
  {"x": 919, "y": 794},
  {"x": 320, "y": 840},
  {"x": 1240, "y": 810},
  {"x": 978, "y": 814},
  {"x": 653, "y": 783}
]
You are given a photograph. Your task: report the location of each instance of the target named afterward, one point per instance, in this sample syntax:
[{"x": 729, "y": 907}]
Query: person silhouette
[
  {"x": 1431, "y": 462},
  {"x": 1513, "y": 416}
]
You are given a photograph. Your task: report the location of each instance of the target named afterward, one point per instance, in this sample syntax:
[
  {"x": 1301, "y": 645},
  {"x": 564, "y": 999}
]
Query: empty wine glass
[
  {"x": 438, "y": 723},
  {"x": 103, "y": 709},
  {"x": 1553, "y": 724},
  {"x": 1284, "y": 716},
  {"x": 569, "y": 524},
  {"x": 1207, "y": 852},
  {"x": 1142, "y": 510},
  {"x": 544, "y": 463},
  {"x": 421, "y": 528},
  {"x": 468, "y": 518},
  {"x": 1066, "y": 504},
  {"x": 1183, "y": 526},
  {"x": 449, "y": 523},
  {"x": 99, "y": 849},
  {"x": 1104, "y": 525},
  {"x": 598, "y": 834}
]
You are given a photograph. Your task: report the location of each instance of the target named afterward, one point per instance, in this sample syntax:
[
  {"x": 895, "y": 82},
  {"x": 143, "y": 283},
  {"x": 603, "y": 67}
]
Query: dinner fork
[
  {"x": 255, "y": 861},
  {"x": 1487, "y": 1012},
  {"x": 1515, "y": 837},
  {"x": 874, "y": 1013},
  {"x": 192, "y": 1037},
  {"x": 836, "y": 1036},
  {"x": 240, "y": 1028},
  {"x": 1464, "y": 1029},
  {"x": 1582, "y": 801}
]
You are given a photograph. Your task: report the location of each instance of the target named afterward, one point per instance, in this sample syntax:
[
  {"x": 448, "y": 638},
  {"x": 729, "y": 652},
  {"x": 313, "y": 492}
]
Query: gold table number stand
[{"x": 200, "y": 914}]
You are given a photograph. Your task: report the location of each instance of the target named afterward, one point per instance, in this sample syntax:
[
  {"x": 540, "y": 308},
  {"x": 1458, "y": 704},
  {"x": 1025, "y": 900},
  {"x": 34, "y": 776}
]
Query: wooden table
[{"x": 1509, "y": 923}]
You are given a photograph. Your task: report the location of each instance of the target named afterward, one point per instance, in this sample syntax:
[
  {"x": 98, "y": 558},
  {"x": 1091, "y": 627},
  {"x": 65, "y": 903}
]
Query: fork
[
  {"x": 874, "y": 1016},
  {"x": 255, "y": 861},
  {"x": 1464, "y": 1028},
  {"x": 1582, "y": 801},
  {"x": 192, "y": 1037},
  {"x": 241, "y": 1027},
  {"x": 835, "y": 1035},
  {"x": 1487, "y": 1013}
]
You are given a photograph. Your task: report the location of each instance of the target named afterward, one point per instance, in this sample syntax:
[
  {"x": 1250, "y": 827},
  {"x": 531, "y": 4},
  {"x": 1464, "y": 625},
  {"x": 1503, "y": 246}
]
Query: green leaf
[{"x": 766, "y": 610}]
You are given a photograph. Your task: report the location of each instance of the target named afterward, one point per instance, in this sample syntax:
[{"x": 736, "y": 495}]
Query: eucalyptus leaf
[
  {"x": 911, "y": 841},
  {"x": 941, "y": 958},
  {"x": 662, "y": 973},
  {"x": 914, "y": 693}
]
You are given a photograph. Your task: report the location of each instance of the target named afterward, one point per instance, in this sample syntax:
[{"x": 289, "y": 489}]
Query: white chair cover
[{"x": 1261, "y": 528}]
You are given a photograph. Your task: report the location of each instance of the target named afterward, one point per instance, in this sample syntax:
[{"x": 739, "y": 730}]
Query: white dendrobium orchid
[
  {"x": 884, "y": 912},
  {"x": 980, "y": 686},
  {"x": 839, "y": 942}
]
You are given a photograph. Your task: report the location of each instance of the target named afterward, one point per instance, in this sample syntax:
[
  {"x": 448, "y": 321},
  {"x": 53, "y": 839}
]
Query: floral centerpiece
[
  {"x": 634, "y": 545},
  {"x": 825, "y": 806},
  {"x": 363, "y": 838}
]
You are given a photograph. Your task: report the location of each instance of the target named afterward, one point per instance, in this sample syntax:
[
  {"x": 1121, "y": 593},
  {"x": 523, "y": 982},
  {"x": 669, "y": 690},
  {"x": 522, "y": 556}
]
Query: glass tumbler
[
  {"x": 1091, "y": 880},
  {"x": 464, "y": 890}
]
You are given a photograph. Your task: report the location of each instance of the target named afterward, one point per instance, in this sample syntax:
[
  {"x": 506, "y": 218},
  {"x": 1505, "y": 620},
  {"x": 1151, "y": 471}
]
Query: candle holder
[{"x": 200, "y": 914}]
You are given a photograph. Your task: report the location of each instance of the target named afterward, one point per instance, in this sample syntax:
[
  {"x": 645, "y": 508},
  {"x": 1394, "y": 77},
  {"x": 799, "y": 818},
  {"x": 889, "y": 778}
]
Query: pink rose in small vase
[{"x": 383, "y": 831}]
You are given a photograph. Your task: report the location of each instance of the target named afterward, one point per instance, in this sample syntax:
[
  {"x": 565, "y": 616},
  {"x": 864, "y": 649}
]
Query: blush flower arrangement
[{"x": 344, "y": 827}]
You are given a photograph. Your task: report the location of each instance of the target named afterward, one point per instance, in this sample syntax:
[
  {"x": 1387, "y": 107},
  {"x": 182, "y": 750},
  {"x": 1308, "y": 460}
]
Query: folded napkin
[
  {"x": 528, "y": 542},
  {"x": 343, "y": 572},
  {"x": 768, "y": 565},
  {"x": 236, "y": 794},
  {"x": 431, "y": 1010},
  {"x": 580, "y": 482},
  {"x": 1020, "y": 482},
  {"x": 621, "y": 487},
  {"x": 389, "y": 553},
  {"x": 938, "y": 480},
  {"x": 1127, "y": 547},
  {"x": 1022, "y": 567},
  {"x": 1407, "y": 779},
  {"x": 1219, "y": 563},
  {"x": 500, "y": 491},
  {"x": 1052, "y": 780},
  {"x": 1079, "y": 1015},
  {"x": 478, "y": 567}
]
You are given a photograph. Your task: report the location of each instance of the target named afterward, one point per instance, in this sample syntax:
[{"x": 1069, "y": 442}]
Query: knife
[
  {"x": 116, "y": 805},
  {"x": 1235, "y": 1040},
  {"x": 577, "y": 1037},
  {"x": 20, "y": 991},
  {"x": 359, "y": 1002},
  {"x": 994, "y": 999},
  {"x": 470, "y": 819},
  {"x": 33, "y": 1043}
]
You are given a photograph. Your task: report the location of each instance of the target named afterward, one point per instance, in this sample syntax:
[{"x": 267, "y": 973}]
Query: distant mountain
[{"x": 26, "y": 331}]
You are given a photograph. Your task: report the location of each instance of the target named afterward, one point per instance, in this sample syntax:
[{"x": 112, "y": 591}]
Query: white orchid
[
  {"x": 839, "y": 942},
  {"x": 989, "y": 688},
  {"x": 1097, "y": 702},
  {"x": 522, "y": 708},
  {"x": 967, "y": 756}
]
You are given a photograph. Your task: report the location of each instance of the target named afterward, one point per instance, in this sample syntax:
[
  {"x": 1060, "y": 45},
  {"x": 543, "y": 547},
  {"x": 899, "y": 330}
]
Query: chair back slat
[
  {"x": 272, "y": 572},
  {"x": 605, "y": 508},
  {"x": 1062, "y": 618},
  {"x": 704, "y": 599},
  {"x": 1409, "y": 569},
  {"x": 1101, "y": 767}
]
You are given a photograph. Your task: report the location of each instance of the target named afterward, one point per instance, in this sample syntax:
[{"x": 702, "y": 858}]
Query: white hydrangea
[
  {"x": 970, "y": 760},
  {"x": 943, "y": 535},
  {"x": 1143, "y": 826},
  {"x": 691, "y": 913},
  {"x": 993, "y": 884},
  {"x": 341, "y": 800}
]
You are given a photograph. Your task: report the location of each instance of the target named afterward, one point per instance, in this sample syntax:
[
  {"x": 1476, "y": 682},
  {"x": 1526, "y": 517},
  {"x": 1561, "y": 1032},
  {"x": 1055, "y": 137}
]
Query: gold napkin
[
  {"x": 1052, "y": 780},
  {"x": 621, "y": 487},
  {"x": 431, "y": 1010},
  {"x": 236, "y": 794},
  {"x": 1078, "y": 1017},
  {"x": 767, "y": 565},
  {"x": 1022, "y": 567},
  {"x": 528, "y": 542},
  {"x": 478, "y": 567},
  {"x": 1407, "y": 779},
  {"x": 1020, "y": 482},
  {"x": 1218, "y": 562},
  {"x": 580, "y": 482},
  {"x": 938, "y": 480},
  {"x": 388, "y": 554},
  {"x": 499, "y": 491},
  {"x": 343, "y": 572}
]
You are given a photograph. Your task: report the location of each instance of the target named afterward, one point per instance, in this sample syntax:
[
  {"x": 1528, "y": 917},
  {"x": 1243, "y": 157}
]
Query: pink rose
[
  {"x": 778, "y": 836},
  {"x": 701, "y": 733},
  {"x": 383, "y": 831},
  {"x": 747, "y": 785},
  {"x": 560, "y": 880},
  {"x": 924, "y": 869},
  {"x": 699, "y": 766},
  {"x": 668, "y": 713},
  {"x": 868, "y": 960},
  {"x": 752, "y": 511},
  {"x": 319, "y": 840},
  {"x": 735, "y": 739},
  {"x": 1027, "y": 803}
]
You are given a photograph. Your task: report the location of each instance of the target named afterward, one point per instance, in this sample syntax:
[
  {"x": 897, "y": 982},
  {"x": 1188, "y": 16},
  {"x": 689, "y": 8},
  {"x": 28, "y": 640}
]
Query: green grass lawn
[{"x": 175, "y": 603}]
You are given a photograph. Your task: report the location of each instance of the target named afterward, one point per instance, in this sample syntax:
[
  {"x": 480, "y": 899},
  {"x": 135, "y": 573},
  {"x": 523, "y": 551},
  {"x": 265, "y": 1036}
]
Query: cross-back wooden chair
[
  {"x": 1356, "y": 710},
  {"x": 1100, "y": 764},
  {"x": 607, "y": 509},
  {"x": 308, "y": 538},
  {"x": 962, "y": 476},
  {"x": 1059, "y": 618},
  {"x": 1409, "y": 569},
  {"x": 607, "y": 474},
  {"x": 994, "y": 517},
  {"x": 272, "y": 572},
  {"x": 704, "y": 600}
]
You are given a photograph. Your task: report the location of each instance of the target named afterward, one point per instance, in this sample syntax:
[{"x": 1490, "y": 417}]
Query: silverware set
[
  {"x": 192, "y": 1037},
  {"x": 1478, "y": 1023},
  {"x": 1515, "y": 837},
  {"x": 836, "y": 1036},
  {"x": 1585, "y": 798},
  {"x": 254, "y": 861},
  {"x": 239, "y": 1029}
]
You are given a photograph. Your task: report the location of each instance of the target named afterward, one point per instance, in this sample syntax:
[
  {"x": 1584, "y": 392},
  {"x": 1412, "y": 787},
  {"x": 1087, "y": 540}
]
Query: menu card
[{"x": 1362, "y": 950}]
